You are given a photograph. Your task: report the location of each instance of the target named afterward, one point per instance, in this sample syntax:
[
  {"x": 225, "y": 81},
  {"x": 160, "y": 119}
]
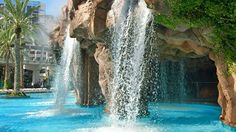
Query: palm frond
[
  {"x": 15, "y": 16},
  {"x": 7, "y": 37},
  {"x": 18, "y": 7},
  {"x": 12, "y": 13},
  {"x": 24, "y": 5}
]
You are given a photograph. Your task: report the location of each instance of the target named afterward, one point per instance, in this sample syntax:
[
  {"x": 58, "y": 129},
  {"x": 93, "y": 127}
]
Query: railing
[
  {"x": 33, "y": 61},
  {"x": 40, "y": 61}
]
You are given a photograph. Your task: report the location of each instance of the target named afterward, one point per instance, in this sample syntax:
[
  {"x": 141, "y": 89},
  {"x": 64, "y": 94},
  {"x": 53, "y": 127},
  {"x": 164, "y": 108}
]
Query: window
[
  {"x": 32, "y": 52},
  {"x": 43, "y": 71},
  {"x": 38, "y": 58}
]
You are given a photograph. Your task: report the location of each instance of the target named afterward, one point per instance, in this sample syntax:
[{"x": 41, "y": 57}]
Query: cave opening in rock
[{"x": 183, "y": 80}]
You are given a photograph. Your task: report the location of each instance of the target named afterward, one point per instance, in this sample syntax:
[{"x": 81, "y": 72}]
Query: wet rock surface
[{"x": 103, "y": 58}]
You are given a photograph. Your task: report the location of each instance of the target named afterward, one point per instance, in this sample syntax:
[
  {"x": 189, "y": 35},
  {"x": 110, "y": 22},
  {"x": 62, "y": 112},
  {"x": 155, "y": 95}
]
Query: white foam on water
[
  {"x": 42, "y": 113},
  {"x": 45, "y": 103},
  {"x": 56, "y": 112},
  {"x": 120, "y": 129}
]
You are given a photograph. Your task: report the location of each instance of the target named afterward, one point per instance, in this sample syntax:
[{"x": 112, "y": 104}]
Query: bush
[
  {"x": 220, "y": 15},
  {"x": 17, "y": 94}
]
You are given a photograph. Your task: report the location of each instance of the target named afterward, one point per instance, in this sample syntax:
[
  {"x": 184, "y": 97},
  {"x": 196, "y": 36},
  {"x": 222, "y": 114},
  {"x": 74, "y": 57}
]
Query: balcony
[
  {"x": 34, "y": 61},
  {"x": 40, "y": 60}
]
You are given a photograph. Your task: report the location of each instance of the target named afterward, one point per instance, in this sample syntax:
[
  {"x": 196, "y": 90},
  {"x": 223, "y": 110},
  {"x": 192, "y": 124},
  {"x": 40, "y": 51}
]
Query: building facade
[
  {"x": 37, "y": 13},
  {"x": 39, "y": 63}
]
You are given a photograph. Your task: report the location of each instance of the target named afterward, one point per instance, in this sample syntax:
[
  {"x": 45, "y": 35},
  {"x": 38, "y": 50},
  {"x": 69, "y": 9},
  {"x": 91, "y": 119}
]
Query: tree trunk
[
  {"x": 6, "y": 78},
  {"x": 21, "y": 69},
  {"x": 17, "y": 65}
]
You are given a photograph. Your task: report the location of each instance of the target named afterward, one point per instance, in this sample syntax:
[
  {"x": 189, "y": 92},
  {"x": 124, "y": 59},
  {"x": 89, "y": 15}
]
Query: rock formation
[
  {"x": 90, "y": 20},
  {"x": 227, "y": 90},
  {"x": 187, "y": 44},
  {"x": 57, "y": 37},
  {"x": 103, "y": 57},
  {"x": 74, "y": 14},
  {"x": 194, "y": 43}
]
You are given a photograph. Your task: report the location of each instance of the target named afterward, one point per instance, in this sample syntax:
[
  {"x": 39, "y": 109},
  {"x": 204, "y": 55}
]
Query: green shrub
[
  {"x": 17, "y": 94},
  {"x": 220, "y": 15}
]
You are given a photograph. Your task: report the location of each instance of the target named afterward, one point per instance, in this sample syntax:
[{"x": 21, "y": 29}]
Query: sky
[{"x": 54, "y": 7}]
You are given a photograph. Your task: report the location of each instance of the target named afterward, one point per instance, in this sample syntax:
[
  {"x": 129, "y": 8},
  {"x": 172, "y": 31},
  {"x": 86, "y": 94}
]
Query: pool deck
[{"x": 28, "y": 90}]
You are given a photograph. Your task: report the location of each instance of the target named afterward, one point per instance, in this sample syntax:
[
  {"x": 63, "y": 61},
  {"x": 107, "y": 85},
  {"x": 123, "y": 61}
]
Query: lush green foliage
[
  {"x": 220, "y": 15},
  {"x": 18, "y": 15},
  {"x": 6, "y": 43}
]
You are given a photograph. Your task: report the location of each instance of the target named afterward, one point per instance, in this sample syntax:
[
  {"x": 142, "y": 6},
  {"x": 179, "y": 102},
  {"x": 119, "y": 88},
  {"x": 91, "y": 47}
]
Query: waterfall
[
  {"x": 173, "y": 81},
  {"x": 182, "y": 81},
  {"x": 163, "y": 82},
  {"x": 63, "y": 80},
  {"x": 128, "y": 49}
]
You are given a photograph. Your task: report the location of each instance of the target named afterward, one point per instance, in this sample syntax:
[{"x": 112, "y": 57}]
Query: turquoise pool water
[{"x": 37, "y": 114}]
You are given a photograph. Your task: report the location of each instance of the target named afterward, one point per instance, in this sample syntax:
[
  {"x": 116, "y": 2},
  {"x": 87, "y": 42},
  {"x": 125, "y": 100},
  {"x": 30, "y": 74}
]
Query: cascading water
[
  {"x": 173, "y": 81},
  {"x": 164, "y": 81},
  {"x": 63, "y": 76},
  {"x": 182, "y": 80},
  {"x": 128, "y": 49}
]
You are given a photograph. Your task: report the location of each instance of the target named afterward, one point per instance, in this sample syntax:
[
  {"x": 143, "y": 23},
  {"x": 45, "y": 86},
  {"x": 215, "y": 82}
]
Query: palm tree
[
  {"x": 20, "y": 20},
  {"x": 6, "y": 52}
]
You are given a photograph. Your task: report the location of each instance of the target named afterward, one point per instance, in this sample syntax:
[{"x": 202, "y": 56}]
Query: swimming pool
[{"x": 38, "y": 114}]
